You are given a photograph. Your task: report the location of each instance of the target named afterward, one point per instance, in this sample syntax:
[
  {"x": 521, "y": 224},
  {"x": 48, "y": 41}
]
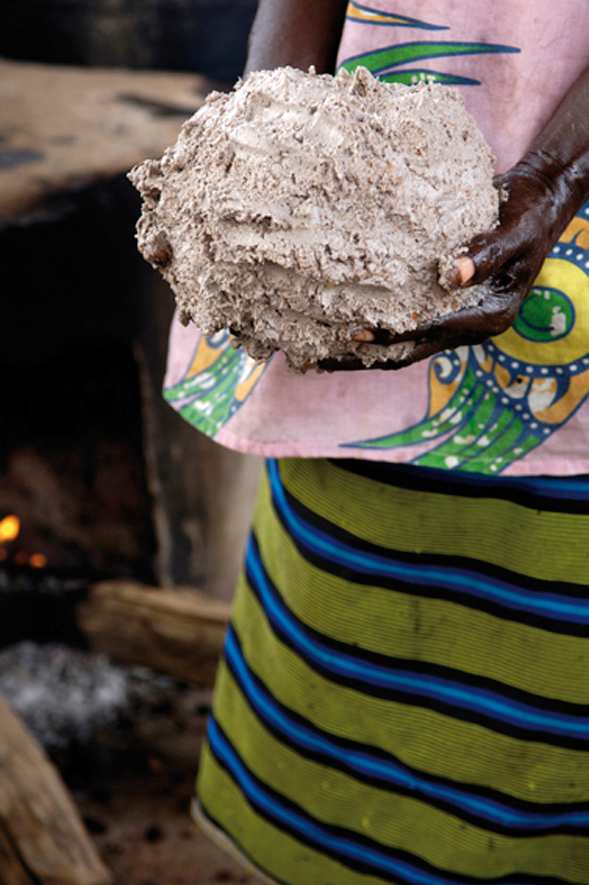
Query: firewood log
[
  {"x": 42, "y": 839},
  {"x": 177, "y": 632}
]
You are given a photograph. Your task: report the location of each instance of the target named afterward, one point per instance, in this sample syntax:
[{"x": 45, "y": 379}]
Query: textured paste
[{"x": 299, "y": 209}]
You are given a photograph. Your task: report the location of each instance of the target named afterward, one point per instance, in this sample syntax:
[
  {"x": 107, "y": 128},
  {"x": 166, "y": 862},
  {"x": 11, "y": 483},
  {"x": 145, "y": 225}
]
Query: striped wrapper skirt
[{"x": 404, "y": 695}]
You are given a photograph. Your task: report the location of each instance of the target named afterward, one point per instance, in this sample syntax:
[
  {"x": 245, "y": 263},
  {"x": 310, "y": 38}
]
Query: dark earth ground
[
  {"x": 146, "y": 837},
  {"x": 140, "y": 818}
]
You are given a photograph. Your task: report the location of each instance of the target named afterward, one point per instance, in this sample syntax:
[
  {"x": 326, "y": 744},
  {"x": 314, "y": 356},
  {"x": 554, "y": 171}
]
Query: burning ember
[
  {"x": 10, "y": 530},
  {"x": 38, "y": 560}
]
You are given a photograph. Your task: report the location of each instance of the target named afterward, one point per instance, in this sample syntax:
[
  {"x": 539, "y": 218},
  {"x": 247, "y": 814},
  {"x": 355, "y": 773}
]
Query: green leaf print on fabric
[
  {"x": 216, "y": 384},
  {"x": 381, "y": 62},
  {"x": 385, "y": 62}
]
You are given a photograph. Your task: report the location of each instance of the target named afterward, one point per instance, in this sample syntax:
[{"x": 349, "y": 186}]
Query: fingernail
[
  {"x": 464, "y": 268},
  {"x": 364, "y": 336}
]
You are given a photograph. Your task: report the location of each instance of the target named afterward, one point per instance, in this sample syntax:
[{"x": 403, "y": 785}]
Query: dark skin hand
[{"x": 545, "y": 188}]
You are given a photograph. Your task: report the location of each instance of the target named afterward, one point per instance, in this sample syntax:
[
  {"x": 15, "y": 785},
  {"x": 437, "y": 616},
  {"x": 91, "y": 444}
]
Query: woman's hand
[
  {"x": 543, "y": 192},
  {"x": 507, "y": 260}
]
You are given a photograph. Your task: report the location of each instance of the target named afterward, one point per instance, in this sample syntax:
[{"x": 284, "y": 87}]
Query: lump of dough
[{"x": 298, "y": 209}]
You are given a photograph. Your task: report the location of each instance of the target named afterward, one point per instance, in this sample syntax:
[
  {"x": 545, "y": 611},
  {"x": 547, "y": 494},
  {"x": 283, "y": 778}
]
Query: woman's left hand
[{"x": 537, "y": 207}]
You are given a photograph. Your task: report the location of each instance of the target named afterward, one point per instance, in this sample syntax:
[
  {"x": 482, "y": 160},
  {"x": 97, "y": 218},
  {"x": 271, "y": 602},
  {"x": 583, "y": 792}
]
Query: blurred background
[{"x": 121, "y": 528}]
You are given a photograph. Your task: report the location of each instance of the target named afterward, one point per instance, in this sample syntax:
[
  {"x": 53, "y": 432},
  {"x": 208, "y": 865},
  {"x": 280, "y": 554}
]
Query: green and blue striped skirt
[{"x": 404, "y": 695}]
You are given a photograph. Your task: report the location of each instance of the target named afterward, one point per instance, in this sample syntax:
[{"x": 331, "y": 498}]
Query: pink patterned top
[{"x": 517, "y": 405}]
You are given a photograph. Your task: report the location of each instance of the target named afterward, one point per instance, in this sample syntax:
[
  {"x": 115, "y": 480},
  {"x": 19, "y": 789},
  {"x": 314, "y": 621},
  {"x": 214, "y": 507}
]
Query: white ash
[
  {"x": 67, "y": 696},
  {"x": 300, "y": 208}
]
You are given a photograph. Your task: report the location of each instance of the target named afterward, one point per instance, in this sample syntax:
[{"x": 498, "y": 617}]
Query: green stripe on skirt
[{"x": 398, "y": 705}]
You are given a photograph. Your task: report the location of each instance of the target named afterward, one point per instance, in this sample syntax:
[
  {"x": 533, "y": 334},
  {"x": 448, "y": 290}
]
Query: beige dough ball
[{"x": 299, "y": 209}]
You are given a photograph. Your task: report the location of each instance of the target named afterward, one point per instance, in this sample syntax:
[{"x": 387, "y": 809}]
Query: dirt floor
[
  {"x": 145, "y": 836},
  {"x": 127, "y": 743},
  {"x": 138, "y": 813}
]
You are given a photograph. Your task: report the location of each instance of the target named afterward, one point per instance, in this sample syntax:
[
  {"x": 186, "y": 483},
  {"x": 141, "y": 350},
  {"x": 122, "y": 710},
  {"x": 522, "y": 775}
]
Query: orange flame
[{"x": 9, "y": 528}]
